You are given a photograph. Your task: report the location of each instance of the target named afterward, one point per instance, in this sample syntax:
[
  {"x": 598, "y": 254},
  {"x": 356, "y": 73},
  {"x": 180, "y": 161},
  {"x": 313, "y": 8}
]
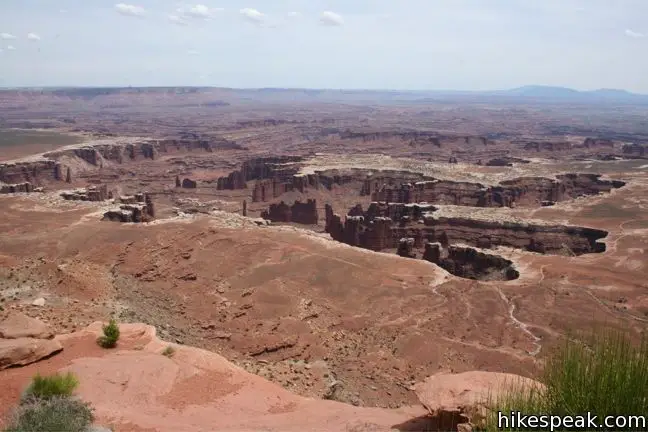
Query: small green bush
[
  {"x": 47, "y": 387},
  {"x": 53, "y": 414},
  {"x": 110, "y": 335},
  {"x": 168, "y": 351},
  {"x": 605, "y": 375}
]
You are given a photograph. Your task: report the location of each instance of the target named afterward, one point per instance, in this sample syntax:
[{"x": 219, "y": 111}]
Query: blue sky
[{"x": 407, "y": 44}]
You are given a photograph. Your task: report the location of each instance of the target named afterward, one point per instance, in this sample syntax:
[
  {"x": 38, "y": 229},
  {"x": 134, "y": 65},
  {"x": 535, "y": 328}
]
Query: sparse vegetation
[
  {"x": 47, "y": 387},
  {"x": 47, "y": 405},
  {"x": 110, "y": 335},
  {"x": 59, "y": 413},
  {"x": 168, "y": 351},
  {"x": 606, "y": 376}
]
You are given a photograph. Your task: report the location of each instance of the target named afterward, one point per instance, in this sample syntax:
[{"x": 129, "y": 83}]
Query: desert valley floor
[{"x": 343, "y": 249}]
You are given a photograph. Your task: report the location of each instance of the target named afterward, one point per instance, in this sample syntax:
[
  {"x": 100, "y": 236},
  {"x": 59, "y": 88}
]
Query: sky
[{"x": 340, "y": 44}]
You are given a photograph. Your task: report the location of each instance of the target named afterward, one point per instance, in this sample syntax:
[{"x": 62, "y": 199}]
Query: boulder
[
  {"x": 23, "y": 351},
  {"x": 455, "y": 392},
  {"x": 18, "y": 325},
  {"x": 40, "y": 301}
]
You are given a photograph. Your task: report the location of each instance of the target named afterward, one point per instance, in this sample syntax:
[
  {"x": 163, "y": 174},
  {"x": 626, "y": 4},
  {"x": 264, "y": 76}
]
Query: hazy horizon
[
  {"x": 324, "y": 89},
  {"x": 447, "y": 45}
]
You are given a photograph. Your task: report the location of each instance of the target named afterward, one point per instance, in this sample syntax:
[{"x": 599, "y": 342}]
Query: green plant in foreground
[
  {"x": 168, "y": 351},
  {"x": 110, "y": 335},
  {"x": 59, "y": 413},
  {"x": 47, "y": 387},
  {"x": 606, "y": 376}
]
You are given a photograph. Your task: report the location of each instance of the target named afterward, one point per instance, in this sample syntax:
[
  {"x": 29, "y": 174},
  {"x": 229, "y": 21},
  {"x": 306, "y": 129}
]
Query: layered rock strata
[
  {"x": 55, "y": 165},
  {"x": 470, "y": 263},
  {"x": 298, "y": 212},
  {"x": 136, "y": 208},
  {"x": 373, "y": 230},
  {"x": 523, "y": 191},
  {"x": 91, "y": 193},
  {"x": 25, "y": 187}
]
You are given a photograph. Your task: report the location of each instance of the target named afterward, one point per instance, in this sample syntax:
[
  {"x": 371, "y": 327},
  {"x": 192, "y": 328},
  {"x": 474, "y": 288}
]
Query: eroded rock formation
[
  {"x": 34, "y": 171},
  {"x": 523, "y": 191},
  {"x": 278, "y": 167},
  {"x": 470, "y": 263},
  {"x": 52, "y": 166},
  {"x": 91, "y": 193},
  {"x": 134, "y": 208},
  {"x": 189, "y": 184},
  {"x": 406, "y": 248},
  {"x": 16, "y": 188},
  {"x": 635, "y": 150},
  {"x": 303, "y": 213},
  {"x": 377, "y": 232},
  {"x": 548, "y": 146}
]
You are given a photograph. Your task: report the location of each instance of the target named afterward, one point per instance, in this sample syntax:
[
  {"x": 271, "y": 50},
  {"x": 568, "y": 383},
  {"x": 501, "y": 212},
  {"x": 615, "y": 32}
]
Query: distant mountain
[
  {"x": 570, "y": 95},
  {"x": 520, "y": 95},
  {"x": 542, "y": 91}
]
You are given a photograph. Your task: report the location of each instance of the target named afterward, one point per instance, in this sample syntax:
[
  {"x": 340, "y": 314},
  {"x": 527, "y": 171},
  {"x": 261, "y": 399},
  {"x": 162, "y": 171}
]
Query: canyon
[{"x": 334, "y": 255}]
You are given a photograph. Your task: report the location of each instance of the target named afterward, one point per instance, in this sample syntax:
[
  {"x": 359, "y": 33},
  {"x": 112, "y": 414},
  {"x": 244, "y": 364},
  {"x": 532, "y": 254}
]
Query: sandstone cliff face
[
  {"x": 469, "y": 263},
  {"x": 137, "y": 208},
  {"x": 523, "y": 191},
  {"x": 16, "y": 188},
  {"x": 594, "y": 143},
  {"x": 547, "y": 146},
  {"x": 505, "y": 161},
  {"x": 52, "y": 165},
  {"x": 303, "y": 213},
  {"x": 268, "y": 189},
  {"x": 333, "y": 224},
  {"x": 400, "y": 212},
  {"x": 189, "y": 184},
  {"x": 419, "y": 138},
  {"x": 34, "y": 172},
  {"x": 98, "y": 154},
  {"x": 550, "y": 239},
  {"x": 281, "y": 168},
  {"x": 380, "y": 232},
  {"x": 587, "y": 184},
  {"x": 91, "y": 193},
  {"x": 389, "y": 178},
  {"x": 635, "y": 150}
]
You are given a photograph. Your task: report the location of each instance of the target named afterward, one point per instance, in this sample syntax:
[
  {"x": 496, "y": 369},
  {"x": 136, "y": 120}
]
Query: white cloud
[
  {"x": 199, "y": 11},
  {"x": 33, "y": 37},
  {"x": 634, "y": 34},
  {"x": 193, "y": 52},
  {"x": 11, "y": 48},
  {"x": 293, "y": 14},
  {"x": 178, "y": 19},
  {"x": 129, "y": 10},
  {"x": 331, "y": 19},
  {"x": 7, "y": 36},
  {"x": 252, "y": 15}
]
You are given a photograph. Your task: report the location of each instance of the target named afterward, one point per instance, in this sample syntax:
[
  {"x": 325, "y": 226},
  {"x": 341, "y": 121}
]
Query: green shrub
[
  {"x": 53, "y": 414},
  {"x": 168, "y": 351},
  {"x": 47, "y": 387},
  {"x": 110, "y": 335},
  {"x": 606, "y": 376}
]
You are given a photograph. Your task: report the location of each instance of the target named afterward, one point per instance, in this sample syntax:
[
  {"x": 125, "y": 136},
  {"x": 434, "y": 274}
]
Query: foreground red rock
[
  {"x": 23, "y": 351},
  {"x": 135, "y": 387},
  {"x": 19, "y": 325},
  {"x": 450, "y": 392}
]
